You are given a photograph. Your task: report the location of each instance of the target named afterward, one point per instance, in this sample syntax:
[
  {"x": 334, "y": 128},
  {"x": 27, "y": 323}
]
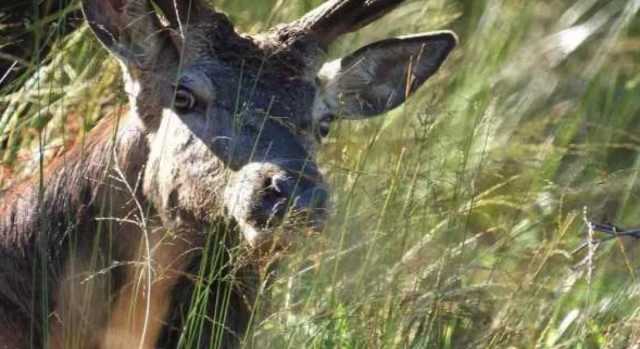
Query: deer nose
[
  {"x": 288, "y": 193},
  {"x": 261, "y": 196},
  {"x": 315, "y": 199},
  {"x": 274, "y": 200}
]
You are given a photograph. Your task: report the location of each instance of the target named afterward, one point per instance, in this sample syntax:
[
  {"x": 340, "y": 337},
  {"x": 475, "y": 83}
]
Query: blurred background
[{"x": 457, "y": 217}]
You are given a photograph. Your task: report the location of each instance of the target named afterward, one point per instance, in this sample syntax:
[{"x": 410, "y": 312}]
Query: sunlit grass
[{"x": 455, "y": 216}]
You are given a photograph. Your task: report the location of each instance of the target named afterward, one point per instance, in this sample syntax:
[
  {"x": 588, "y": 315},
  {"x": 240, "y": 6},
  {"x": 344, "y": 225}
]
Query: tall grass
[{"x": 456, "y": 216}]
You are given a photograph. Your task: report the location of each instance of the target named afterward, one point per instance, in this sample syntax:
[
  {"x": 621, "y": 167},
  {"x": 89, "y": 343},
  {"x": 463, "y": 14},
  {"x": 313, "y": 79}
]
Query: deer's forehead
[{"x": 257, "y": 89}]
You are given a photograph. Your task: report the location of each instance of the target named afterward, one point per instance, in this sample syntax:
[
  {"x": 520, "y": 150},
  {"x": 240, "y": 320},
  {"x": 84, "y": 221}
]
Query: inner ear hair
[
  {"x": 130, "y": 29},
  {"x": 380, "y": 76}
]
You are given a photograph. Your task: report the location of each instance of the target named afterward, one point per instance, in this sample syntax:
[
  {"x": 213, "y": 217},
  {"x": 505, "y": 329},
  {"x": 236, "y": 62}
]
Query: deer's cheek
[{"x": 184, "y": 180}]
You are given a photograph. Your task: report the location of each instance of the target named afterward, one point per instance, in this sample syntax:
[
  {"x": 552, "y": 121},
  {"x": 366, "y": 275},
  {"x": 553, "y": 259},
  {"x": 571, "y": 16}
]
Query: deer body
[{"x": 218, "y": 148}]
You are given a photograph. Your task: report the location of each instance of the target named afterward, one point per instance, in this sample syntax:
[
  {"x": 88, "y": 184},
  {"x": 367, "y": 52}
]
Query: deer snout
[
  {"x": 277, "y": 200},
  {"x": 283, "y": 193}
]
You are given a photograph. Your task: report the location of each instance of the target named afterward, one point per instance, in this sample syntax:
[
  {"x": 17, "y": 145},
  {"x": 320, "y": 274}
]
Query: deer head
[{"x": 232, "y": 121}]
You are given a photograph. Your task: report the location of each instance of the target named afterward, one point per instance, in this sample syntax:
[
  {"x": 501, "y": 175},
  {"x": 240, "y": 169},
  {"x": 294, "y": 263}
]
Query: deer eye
[
  {"x": 323, "y": 131},
  {"x": 324, "y": 125},
  {"x": 184, "y": 100}
]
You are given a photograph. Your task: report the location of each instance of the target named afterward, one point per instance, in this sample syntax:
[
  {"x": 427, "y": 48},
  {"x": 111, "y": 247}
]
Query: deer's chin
[
  {"x": 253, "y": 235},
  {"x": 286, "y": 235},
  {"x": 266, "y": 237}
]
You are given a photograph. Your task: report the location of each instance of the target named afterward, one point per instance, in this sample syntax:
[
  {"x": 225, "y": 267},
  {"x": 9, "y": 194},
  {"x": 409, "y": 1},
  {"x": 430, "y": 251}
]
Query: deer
[{"x": 106, "y": 246}]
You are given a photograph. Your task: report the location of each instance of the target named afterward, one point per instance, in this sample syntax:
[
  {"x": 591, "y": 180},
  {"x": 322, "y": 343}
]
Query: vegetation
[{"x": 458, "y": 217}]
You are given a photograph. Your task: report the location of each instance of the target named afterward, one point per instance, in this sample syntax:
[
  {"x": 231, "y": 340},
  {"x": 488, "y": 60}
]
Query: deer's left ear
[{"x": 380, "y": 76}]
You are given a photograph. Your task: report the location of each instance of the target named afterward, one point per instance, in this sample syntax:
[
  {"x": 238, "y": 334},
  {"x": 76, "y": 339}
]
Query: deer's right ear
[
  {"x": 130, "y": 29},
  {"x": 382, "y": 75}
]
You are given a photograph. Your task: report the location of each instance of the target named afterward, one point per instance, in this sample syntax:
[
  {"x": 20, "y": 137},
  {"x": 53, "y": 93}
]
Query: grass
[{"x": 456, "y": 216}]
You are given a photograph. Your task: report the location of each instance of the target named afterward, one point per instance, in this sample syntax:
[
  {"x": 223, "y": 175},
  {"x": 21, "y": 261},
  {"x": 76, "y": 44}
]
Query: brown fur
[
  {"x": 134, "y": 322},
  {"x": 92, "y": 220},
  {"x": 77, "y": 186}
]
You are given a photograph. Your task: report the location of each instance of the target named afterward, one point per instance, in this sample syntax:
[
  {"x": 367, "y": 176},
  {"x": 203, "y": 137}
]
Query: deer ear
[
  {"x": 130, "y": 29},
  {"x": 380, "y": 76}
]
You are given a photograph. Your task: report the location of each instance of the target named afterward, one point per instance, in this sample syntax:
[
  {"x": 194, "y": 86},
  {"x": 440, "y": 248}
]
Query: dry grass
[{"x": 455, "y": 216}]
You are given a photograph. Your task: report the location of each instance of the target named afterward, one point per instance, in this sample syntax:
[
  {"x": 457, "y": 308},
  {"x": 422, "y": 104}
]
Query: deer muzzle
[{"x": 277, "y": 202}]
